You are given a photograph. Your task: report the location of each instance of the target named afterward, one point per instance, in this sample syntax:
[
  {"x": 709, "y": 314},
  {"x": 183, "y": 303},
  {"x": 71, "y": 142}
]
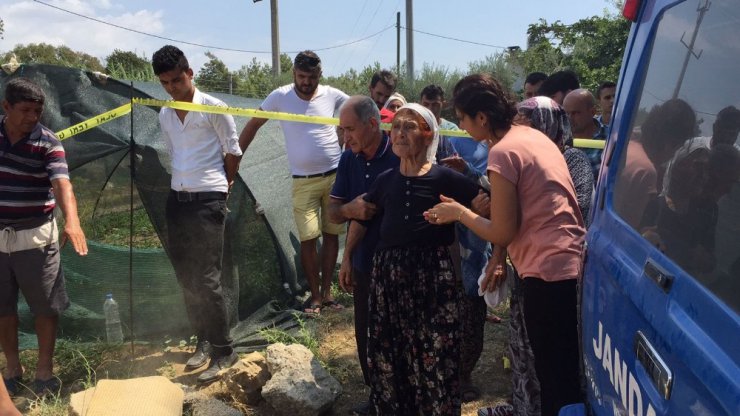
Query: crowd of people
[{"x": 430, "y": 220}]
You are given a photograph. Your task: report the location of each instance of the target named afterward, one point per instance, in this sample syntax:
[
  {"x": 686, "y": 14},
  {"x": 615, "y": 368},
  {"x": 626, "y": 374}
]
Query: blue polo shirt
[{"x": 355, "y": 174}]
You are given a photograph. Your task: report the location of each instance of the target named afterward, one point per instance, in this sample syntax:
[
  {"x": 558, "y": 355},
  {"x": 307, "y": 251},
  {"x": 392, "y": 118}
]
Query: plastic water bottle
[{"x": 113, "y": 331}]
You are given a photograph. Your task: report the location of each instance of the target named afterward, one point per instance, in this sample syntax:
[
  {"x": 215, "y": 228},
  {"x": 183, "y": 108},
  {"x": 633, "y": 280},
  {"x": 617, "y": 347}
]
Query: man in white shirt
[
  {"x": 313, "y": 155},
  {"x": 205, "y": 154}
]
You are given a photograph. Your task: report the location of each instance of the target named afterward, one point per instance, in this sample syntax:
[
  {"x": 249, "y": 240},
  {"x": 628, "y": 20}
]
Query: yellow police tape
[
  {"x": 249, "y": 112},
  {"x": 94, "y": 121}
]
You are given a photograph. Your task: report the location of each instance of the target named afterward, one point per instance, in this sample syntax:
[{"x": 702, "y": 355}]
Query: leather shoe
[
  {"x": 217, "y": 364},
  {"x": 200, "y": 357}
]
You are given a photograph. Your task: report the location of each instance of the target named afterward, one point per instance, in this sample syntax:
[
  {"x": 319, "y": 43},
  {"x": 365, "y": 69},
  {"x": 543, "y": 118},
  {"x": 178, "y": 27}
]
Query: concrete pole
[
  {"x": 275, "y": 38},
  {"x": 409, "y": 41},
  {"x": 398, "y": 44}
]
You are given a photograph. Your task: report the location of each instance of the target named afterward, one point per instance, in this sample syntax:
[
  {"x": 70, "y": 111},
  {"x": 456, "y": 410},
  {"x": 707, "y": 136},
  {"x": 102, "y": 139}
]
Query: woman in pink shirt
[{"x": 535, "y": 215}]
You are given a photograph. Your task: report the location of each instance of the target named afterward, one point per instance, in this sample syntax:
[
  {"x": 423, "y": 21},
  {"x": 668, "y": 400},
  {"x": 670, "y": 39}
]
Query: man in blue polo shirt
[
  {"x": 368, "y": 156},
  {"x": 34, "y": 178}
]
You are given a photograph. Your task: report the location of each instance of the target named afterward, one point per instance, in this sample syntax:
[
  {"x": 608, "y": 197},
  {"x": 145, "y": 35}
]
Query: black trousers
[
  {"x": 195, "y": 234},
  {"x": 361, "y": 291},
  {"x": 551, "y": 318}
]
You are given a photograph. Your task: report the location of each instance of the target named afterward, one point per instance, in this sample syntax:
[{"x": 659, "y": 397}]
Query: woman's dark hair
[
  {"x": 482, "y": 93},
  {"x": 167, "y": 58}
]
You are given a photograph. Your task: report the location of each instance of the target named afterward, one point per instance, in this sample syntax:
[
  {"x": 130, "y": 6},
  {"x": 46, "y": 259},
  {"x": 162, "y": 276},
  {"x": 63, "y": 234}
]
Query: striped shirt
[{"x": 26, "y": 171}]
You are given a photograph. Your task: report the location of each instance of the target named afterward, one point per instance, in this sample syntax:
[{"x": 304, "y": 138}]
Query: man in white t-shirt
[{"x": 313, "y": 155}]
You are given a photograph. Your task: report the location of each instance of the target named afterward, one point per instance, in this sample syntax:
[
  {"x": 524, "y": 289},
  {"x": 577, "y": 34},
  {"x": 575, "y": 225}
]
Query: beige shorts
[
  {"x": 12, "y": 240},
  {"x": 311, "y": 200}
]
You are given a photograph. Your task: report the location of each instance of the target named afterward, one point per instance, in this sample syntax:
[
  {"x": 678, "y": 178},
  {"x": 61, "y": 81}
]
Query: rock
[
  {"x": 245, "y": 379},
  {"x": 137, "y": 396},
  {"x": 213, "y": 407},
  {"x": 299, "y": 385}
]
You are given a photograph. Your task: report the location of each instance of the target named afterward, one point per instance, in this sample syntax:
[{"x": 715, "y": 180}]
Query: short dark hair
[
  {"x": 604, "y": 85},
  {"x": 432, "y": 91},
  {"x": 668, "y": 124},
  {"x": 728, "y": 118},
  {"x": 21, "y": 89},
  {"x": 561, "y": 81},
  {"x": 483, "y": 93},
  {"x": 387, "y": 77},
  {"x": 167, "y": 58},
  {"x": 307, "y": 61},
  {"x": 535, "y": 77}
]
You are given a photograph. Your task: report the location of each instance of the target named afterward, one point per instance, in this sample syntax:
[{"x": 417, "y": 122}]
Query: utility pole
[
  {"x": 702, "y": 10},
  {"x": 398, "y": 43},
  {"x": 409, "y": 41},
  {"x": 275, "y": 37}
]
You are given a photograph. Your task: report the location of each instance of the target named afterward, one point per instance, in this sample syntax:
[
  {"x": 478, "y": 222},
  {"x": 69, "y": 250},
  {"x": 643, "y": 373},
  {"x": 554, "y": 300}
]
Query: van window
[{"x": 678, "y": 180}]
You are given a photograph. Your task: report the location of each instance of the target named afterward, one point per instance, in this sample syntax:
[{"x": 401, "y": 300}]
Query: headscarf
[
  {"x": 395, "y": 96},
  {"x": 432, "y": 122},
  {"x": 545, "y": 115}
]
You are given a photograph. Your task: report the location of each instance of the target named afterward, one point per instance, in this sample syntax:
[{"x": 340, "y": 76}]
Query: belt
[
  {"x": 184, "y": 196},
  {"x": 316, "y": 175}
]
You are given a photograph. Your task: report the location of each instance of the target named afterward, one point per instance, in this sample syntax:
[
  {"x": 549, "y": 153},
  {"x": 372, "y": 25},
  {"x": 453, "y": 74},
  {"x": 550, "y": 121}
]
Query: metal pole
[
  {"x": 409, "y": 41},
  {"x": 398, "y": 43},
  {"x": 132, "y": 183},
  {"x": 690, "y": 47},
  {"x": 231, "y": 83},
  {"x": 275, "y": 38}
]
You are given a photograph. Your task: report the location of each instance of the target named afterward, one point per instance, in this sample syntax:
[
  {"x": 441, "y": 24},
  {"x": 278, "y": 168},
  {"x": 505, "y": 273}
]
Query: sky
[{"x": 355, "y": 33}]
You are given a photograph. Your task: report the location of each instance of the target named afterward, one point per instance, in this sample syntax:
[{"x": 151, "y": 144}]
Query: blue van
[{"x": 661, "y": 289}]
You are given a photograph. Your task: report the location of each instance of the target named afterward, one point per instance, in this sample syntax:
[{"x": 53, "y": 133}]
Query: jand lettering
[{"x": 623, "y": 381}]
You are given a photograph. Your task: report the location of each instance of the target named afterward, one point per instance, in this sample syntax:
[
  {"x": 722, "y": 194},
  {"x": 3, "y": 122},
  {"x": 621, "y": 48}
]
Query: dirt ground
[{"x": 335, "y": 332}]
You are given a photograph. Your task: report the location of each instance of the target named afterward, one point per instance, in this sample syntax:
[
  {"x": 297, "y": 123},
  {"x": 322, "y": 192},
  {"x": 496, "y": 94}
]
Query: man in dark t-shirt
[{"x": 368, "y": 156}]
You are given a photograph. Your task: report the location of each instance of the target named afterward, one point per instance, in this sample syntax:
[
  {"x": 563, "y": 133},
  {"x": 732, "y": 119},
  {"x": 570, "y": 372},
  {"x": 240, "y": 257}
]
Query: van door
[{"x": 661, "y": 287}]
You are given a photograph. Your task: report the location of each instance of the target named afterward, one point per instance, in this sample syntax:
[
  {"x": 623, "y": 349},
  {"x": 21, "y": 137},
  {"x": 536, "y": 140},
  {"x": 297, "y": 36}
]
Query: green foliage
[
  {"x": 127, "y": 65},
  {"x": 43, "y": 53},
  {"x": 592, "y": 47},
  {"x": 214, "y": 75}
]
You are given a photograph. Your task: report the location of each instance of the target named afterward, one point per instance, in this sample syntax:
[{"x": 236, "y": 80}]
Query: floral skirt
[
  {"x": 414, "y": 332},
  {"x": 525, "y": 385}
]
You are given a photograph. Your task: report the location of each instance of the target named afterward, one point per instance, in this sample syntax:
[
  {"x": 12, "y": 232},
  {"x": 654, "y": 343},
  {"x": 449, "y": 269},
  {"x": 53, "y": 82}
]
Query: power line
[
  {"x": 456, "y": 39},
  {"x": 201, "y": 45}
]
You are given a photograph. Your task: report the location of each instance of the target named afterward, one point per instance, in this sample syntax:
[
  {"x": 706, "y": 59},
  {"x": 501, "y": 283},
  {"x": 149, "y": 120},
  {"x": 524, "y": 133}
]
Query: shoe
[
  {"x": 46, "y": 387},
  {"x": 503, "y": 409},
  {"x": 217, "y": 364},
  {"x": 332, "y": 305},
  {"x": 200, "y": 357},
  {"x": 362, "y": 409},
  {"x": 13, "y": 384}
]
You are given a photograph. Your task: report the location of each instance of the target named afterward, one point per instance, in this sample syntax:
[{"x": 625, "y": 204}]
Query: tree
[
  {"x": 214, "y": 75},
  {"x": 592, "y": 47},
  {"x": 43, "y": 53},
  {"x": 286, "y": 64},
  {"x": 127, "y": 65}
]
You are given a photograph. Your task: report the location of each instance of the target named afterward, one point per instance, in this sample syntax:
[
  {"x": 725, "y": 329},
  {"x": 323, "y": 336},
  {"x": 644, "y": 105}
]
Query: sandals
[
  {"x": 46, "y": 387},
  {"x": 333, "y": 305},
  {"x": 13, "y": 385},
  {"x": 469, "y": 393},
  {"x": 310, "y": 308},
  {"x": 503, "y": 409}
]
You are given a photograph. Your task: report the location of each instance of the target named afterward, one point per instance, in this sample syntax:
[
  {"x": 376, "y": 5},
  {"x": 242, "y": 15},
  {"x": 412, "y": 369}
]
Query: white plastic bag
[{"x": 497, "y": 296}]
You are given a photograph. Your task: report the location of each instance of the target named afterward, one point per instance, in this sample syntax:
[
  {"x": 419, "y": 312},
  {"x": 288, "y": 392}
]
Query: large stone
[
  {"x": 246, "y": 378},
  {"x": 299, "y": 385},
  {"x": 137, "y": 396},
  {"x": 214, "y": 407}
]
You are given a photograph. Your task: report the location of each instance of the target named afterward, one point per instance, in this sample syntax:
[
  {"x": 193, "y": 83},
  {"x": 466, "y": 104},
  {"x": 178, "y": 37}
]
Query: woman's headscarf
[
  {"x": 432, "y": 122},
  {"x": 395, "y": 96},
  {"x": 545, "y": 115}
]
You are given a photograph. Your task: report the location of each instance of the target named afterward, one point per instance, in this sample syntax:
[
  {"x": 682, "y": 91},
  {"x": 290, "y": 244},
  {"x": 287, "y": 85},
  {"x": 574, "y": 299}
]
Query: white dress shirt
[{"x": 197, "y": 146}]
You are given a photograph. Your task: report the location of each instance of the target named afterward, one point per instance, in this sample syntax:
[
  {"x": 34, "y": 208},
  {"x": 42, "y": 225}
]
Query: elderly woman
[
  {"x": 395, "y": 102},
  {"x": 414, "y": 329},
  {"x": 535, "y": 215},
  {"x": 547, "y": 116}
]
